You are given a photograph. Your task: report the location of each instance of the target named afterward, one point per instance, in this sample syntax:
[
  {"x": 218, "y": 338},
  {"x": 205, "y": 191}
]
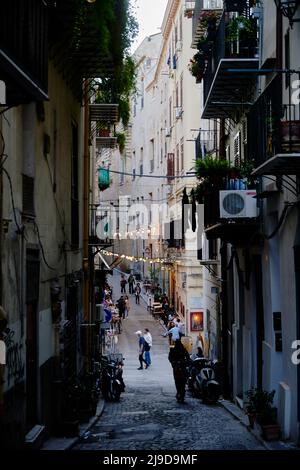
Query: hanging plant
[
  {"x": 197, "y": 65},
  {"x": 121, "y": 140}
]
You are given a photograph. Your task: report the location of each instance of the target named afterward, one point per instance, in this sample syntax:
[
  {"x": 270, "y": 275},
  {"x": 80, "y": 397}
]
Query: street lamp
[{"x": 288, "y": 8}]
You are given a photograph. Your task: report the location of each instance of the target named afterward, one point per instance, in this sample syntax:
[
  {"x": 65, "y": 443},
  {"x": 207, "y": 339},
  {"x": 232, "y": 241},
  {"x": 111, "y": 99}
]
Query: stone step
[{"x": 35, "y": 437}]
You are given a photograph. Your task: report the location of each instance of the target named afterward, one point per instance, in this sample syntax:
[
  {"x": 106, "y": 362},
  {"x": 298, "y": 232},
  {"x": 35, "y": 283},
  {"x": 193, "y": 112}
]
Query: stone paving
[{"x": 148, "y": 416}]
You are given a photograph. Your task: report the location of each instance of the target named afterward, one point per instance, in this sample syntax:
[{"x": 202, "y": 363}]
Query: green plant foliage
[
  {"x": 211, "y": 166},
  {"x": 121, "y": 139},
  {"x": 260, "y": 402},
  {"x": 240, "y": 28}
]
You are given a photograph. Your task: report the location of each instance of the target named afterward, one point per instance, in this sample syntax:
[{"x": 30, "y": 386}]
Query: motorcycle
[
  {"x": 202, "y": 380},
  {"x": 112, "y": 383}
]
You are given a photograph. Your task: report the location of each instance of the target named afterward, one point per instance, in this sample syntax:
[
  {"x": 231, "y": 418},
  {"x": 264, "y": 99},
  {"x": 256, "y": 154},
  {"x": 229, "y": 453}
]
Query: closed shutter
[{"x": 28, "y": 195}]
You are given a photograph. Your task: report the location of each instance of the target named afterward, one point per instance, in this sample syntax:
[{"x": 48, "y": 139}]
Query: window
[
  {"x": 182, "y": 153},
  {"x": 180, "y": 28},
  {"x": 28, "y": 195},
  {"x": 181, "y": 90},
  {"x": 177, "y": 95},
  {"x": 170, "y": 111},
  {"x": 141, "y": 161},
  {"x": 170, "y": 167},
  {"x": 151, "y": 155},
  {"x": 142, "y": 92},
  {"x": 177, "y": 159}
]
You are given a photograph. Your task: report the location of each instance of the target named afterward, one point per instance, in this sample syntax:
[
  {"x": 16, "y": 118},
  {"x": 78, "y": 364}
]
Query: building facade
[{"x": 248, "y": 80}]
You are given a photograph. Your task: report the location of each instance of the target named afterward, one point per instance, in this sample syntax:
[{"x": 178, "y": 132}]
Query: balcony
[
  {"x": 274, "y": 133},
  {"x": 105, "y": 136},
  {"x": 104, "y": 112},
  {"x": 96, "y": 218},
  {"x": 232, "y": 68}
]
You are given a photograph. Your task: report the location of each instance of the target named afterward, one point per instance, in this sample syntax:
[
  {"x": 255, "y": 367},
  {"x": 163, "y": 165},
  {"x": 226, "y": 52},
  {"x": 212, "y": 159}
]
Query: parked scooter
[
  {"x": 202, "y": 380},
  {"x": 112, "y": 383}
]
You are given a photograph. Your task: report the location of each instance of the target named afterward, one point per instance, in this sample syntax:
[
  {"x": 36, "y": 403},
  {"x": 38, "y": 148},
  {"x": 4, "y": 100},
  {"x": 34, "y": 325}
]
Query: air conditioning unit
[
  {"x": 168, "y": 131},
  {"x": 178, "y": 112},
  {"x": 178, "y": 46},
  {"x": 238, "y": 204}
]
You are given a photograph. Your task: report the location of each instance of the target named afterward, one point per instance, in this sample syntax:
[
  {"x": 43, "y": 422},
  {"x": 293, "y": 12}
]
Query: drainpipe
[{"x": 86, "y": 194}]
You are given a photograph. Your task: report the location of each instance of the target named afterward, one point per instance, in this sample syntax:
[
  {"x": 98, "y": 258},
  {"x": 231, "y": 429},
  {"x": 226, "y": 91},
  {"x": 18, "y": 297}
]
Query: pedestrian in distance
[
  {"x": 121, "y": 306},
  {"x": 127, "y": 306},
  {"x": 138, "y": 291},
  {"x": 179, "y": 359},
  {"x": 148, "y": 346},
  {"x": 123, "y": 283},
  {"x": 131, "y": 282},
  {"x": 141, "y": 350}
]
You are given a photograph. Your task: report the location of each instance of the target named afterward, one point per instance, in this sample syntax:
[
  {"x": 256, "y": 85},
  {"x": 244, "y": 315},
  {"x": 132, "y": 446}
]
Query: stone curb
[{"x": 68, "y": 443}]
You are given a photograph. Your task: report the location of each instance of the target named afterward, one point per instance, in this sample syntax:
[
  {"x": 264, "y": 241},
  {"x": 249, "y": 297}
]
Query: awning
[
  {"x": 232, "y": 82},
  {"x": 281, "y": 164},
  {"x": 104, "y": 261}
]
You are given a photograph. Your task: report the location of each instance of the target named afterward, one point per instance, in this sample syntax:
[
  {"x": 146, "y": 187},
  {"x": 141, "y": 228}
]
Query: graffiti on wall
[{"x": 15, "y": 366}]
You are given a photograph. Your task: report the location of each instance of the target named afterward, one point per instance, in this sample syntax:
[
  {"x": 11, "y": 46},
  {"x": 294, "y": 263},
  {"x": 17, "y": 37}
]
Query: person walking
[
  {"x": 141, "y": 349},
  {"x": 179, "y": 359},
  {"x": 123, "y": 283},
  {"x": 127, "y": 306},
  {"x": 148, "y": 346},
  {"x": 131, "y": 282},
  {"x": 138, "y": 291},
  {"x": 121, "y": 306}
]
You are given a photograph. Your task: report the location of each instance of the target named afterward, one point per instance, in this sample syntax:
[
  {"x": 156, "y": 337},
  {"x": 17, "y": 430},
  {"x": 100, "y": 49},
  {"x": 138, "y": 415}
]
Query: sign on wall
[{"x": 197, "y": 321}]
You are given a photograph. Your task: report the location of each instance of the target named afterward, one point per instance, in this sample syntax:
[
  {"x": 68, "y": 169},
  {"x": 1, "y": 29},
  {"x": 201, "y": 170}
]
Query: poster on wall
[{"x": 197, "y": 321}]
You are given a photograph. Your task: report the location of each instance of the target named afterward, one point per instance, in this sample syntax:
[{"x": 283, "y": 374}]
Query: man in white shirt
[
  {"x": 174, "y": 332},
  {"x": 148, "y": 345}
]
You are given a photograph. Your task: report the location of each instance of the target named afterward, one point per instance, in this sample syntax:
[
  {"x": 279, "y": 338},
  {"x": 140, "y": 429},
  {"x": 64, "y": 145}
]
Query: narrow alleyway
[{"x": 148, "y": 416}]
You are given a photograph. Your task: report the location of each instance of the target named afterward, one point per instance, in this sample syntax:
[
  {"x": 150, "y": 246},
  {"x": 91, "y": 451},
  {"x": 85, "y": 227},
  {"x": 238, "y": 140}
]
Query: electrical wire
[
  {"x": 280, "y": 222},
  {"x": 20, "y": 229},
  {"x": 41, "y": 246},
  {"x": 152, "y": 176},
  {"x": 57, "y": 208}
]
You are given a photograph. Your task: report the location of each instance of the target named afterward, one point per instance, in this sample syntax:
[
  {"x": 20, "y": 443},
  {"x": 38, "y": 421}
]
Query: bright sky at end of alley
[{"x": 150, "y": 15}]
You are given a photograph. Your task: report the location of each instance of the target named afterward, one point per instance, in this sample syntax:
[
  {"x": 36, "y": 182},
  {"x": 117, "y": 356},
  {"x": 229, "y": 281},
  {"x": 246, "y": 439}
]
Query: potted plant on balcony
[
  {"x": 104, "y": 131},
  {"x": 209, "y": 18},
  {"x": 241, "y": 36}
]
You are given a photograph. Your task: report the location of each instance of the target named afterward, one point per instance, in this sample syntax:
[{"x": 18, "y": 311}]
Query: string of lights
[{"x": 162, "y": 261}]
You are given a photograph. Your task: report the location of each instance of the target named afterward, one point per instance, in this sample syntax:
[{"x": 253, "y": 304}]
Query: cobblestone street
[{"x": 148, "y": 416}]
